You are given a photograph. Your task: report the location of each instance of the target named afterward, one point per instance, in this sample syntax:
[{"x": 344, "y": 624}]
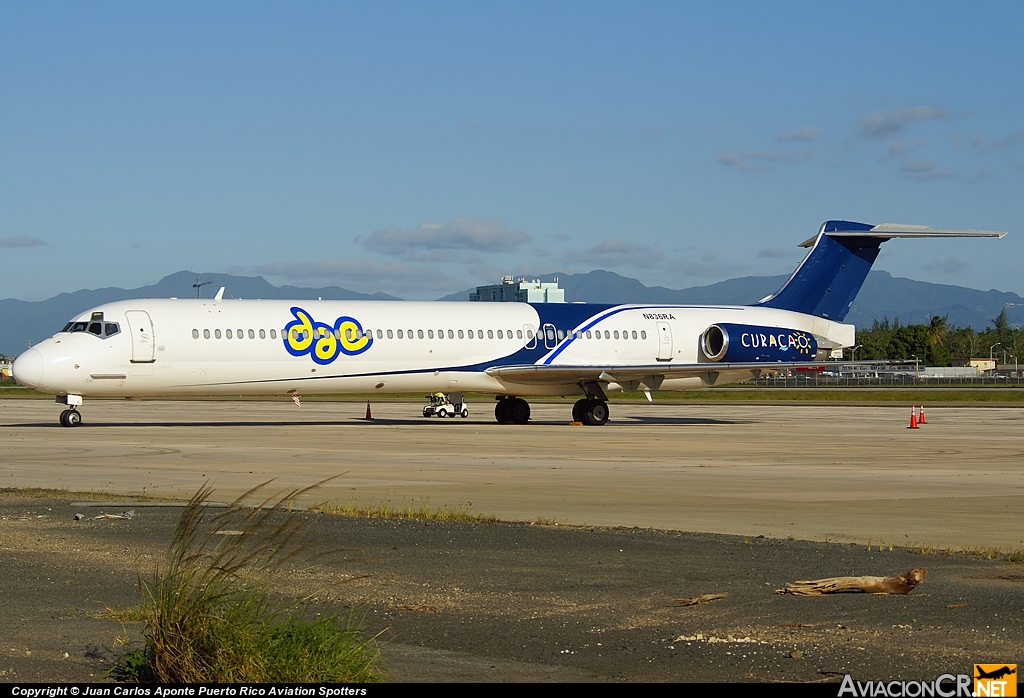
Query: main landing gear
[
  {"x": 512, "y": 409},
  {"x": 70, "y": 417},
  {"x": 591, "y": 411}
]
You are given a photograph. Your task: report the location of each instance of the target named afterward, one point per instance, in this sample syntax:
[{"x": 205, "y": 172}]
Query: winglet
[{"x": 220, "y": 294}]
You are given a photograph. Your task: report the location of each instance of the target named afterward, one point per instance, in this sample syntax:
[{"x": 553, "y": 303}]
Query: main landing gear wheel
[
  {"x": 70, "y": 418},
  {"x": 514, "y": 409},
  {"x": 578, "y": 410},
  {"x": 593, "y": 413}
]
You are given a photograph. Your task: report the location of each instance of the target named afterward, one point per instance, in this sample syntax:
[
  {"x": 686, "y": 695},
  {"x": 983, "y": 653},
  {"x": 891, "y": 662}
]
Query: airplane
[
  {"x": 995, "y": 674},
  {"x": 182, "y": 347}
]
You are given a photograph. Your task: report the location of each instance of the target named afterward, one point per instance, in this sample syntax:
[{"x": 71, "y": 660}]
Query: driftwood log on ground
[
  {"x": 900, "y": 584},
  {"x": 703, "y": 598}
]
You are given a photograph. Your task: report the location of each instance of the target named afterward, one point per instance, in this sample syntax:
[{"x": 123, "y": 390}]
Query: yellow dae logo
[
  {"x": 995, "y": 680},
  {"x": 324, "y": 342}
]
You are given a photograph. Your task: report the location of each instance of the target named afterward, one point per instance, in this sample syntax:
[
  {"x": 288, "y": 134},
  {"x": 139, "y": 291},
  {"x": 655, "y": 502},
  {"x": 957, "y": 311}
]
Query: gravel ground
[{"x": 514, "y": 602}]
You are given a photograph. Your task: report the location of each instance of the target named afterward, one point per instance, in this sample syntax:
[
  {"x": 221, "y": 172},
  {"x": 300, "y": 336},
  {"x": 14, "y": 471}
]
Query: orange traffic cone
[
  {"x": 920, "y": 416},
  {"x": 370, "y": 416},
  {"x": 913, "y": 419}
]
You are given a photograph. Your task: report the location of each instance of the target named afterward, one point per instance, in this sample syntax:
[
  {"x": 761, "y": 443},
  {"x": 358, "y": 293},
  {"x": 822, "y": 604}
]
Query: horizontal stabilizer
[
  {"x": 841, "y": 254},
  {"x": 887, "y": 231}
]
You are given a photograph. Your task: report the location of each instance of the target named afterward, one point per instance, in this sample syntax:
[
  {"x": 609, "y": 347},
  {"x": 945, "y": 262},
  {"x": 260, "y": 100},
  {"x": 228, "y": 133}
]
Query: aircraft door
[
  {"x": 141, "y": 328},
  {"x": 529, "y": 337},
  {"x": 664, "y": 342},
  {"x": 550, "y": 339}
]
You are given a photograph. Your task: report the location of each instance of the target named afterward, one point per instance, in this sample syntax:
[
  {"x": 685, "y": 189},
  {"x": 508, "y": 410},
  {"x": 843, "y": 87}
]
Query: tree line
[{"x": 938, "y": 343}]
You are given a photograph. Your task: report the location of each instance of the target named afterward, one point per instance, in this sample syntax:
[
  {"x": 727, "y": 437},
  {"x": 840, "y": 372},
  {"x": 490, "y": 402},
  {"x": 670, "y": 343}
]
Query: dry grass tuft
[{"x": 206, "y": 620}]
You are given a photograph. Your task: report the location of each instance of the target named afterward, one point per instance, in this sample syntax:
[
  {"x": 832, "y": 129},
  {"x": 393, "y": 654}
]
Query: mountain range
[{"x": 882, "y": 296}]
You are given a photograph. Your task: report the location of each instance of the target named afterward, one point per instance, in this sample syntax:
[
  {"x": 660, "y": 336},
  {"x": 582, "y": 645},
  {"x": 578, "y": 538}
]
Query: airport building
[
  {"x": 981, "y": 364},
  {"x": 522, "y": 291}
]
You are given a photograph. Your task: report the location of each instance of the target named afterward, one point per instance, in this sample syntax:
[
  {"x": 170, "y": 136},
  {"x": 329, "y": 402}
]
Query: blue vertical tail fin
[{"x": 828, "y": 279}]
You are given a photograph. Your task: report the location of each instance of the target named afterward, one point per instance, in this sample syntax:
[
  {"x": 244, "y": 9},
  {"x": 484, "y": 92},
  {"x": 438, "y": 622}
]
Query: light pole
[
  {"x": 853, "y": 352},
  {"x": 916, "y": 362},
  {"x": 991, "y": 358}
]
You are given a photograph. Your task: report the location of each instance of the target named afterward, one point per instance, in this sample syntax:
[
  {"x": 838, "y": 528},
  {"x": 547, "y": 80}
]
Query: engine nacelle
[{"x": 729, "y": 343}]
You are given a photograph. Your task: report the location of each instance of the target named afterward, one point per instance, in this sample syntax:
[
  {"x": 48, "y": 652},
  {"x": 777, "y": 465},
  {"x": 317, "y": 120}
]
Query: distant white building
[
  {"x": 950, "y": 372},
  {"x": 522, "y": 291}
]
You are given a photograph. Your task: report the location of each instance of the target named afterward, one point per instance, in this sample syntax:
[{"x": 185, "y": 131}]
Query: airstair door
[
  {"x": 664, "y": 342},
  {"x": 141, "y": 327}
]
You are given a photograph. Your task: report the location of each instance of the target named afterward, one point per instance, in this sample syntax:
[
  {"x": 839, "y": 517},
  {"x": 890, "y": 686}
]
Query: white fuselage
[{"x": 239, "y": 347}]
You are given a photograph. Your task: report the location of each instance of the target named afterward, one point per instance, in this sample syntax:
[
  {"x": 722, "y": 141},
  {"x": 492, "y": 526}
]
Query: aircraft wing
[{"x": 536, "y": 373}]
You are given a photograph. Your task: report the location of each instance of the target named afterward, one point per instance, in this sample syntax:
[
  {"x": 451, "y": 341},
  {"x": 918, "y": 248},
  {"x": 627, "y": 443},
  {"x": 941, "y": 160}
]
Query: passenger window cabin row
[{"x": 549, "y": 333}]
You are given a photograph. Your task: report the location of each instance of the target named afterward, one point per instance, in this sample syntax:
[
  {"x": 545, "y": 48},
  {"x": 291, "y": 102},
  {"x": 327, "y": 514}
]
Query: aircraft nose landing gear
[{"x": 70, "y": 417}]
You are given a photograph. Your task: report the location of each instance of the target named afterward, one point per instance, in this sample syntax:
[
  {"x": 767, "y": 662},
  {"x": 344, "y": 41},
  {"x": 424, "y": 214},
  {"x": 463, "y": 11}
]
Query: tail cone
[{"x": 913, "y": 419}]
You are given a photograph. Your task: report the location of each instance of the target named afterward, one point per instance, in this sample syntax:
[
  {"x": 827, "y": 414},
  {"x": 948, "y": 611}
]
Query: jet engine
[{"x": 732, "y": 343}]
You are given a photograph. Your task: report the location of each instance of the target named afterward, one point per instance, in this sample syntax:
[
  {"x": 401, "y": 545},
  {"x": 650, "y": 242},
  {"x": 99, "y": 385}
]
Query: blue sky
[{"x": 424, "y": 148}]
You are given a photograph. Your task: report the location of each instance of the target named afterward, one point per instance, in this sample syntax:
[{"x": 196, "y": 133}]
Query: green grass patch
[
  {"x": 872, "y": 394},
  {"x": 14, "y": 390},
  {"x": 209, "y": 620}
]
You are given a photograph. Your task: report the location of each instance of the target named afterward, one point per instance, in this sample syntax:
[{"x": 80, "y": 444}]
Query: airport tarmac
[{"x": 841, "y": 473}]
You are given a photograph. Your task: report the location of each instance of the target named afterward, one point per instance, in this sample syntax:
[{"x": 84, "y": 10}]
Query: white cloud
[
  {"x": 886, "y": 125},
  {"x": 613, "y": 252},
  {"x": 950, "y": 265},
  {"x": 898, "y": 149},
  {"x": 805, "y": 134},
  {"x": 730, "y": 159},
  {"x": 1013, "y": 138},
  {"x": 423, "y": 242},
  {"x": 707, "y": 265},
  {"x": 923, "y": 170},
  {"x": 489, "y": 274},
  {"x": 359, "y": 273},
  {"x": 778, "y": 253},
  {"x": 21, "y": 241},
  {"x": 742, "y": 161}
]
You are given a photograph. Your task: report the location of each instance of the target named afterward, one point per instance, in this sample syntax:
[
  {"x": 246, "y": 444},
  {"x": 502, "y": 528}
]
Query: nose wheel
[{"x": 70, "y": 418}]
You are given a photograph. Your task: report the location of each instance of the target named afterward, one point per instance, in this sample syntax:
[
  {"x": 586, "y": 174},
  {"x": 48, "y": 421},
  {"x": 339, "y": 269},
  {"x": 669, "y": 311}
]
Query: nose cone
[{"x": 28, "y": 368}]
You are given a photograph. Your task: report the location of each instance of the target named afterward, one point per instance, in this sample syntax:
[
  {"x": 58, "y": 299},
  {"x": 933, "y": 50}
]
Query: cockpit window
[{"x": 100, "y": 329}]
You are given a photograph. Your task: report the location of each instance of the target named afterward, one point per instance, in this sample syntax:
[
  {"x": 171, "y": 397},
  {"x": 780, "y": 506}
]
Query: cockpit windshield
[{"x": 93, "y": 327}]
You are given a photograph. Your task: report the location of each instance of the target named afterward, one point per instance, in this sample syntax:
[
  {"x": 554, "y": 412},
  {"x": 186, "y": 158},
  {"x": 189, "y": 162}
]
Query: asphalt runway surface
[
  {"x": 844, "y": 473},
  {"x": 590, "y": 599}
]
